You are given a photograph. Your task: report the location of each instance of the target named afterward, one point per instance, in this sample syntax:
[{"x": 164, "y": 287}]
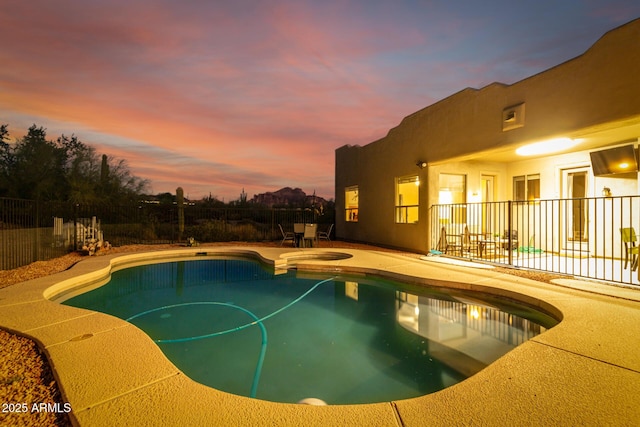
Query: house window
[
  {"x": 453, "y": 191},
  {"x": 407, "y": 199},
  {"x": 526, "y": 187},
  {"x": 351, "y": 203}
]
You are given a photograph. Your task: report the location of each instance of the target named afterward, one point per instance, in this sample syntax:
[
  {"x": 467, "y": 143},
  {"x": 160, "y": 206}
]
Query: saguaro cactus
[{"x": 180, "y": 203}]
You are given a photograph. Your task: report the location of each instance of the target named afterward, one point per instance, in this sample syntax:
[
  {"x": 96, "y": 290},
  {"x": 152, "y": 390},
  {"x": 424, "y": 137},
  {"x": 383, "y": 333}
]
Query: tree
[
  {"x": 79, "y": 169},
  {"x": 6, "y": 160},
  {"x": 123, "y": 186},
  {"x": 211, "y": 201},
  {"x": 104, "y": 173},
  {"x": 66, "y": 169},
  {"x": 4, "y": 136},
  {"x": 37, "y": 172},
  {"x": 165, "y": 198}
]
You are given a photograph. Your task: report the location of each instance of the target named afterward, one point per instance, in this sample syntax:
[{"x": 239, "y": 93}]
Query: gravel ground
[
  {"x": 26, "y": 380},
  {"x": 25, "y": 374}
]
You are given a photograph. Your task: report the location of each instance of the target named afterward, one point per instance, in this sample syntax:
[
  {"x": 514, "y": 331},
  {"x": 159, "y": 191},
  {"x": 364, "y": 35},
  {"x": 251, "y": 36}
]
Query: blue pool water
[{"x": 241, "y": 327}]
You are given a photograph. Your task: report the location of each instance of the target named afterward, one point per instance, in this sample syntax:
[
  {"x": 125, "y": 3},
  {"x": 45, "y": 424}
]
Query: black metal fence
[
  {"x": 26, "y": 232},
  {"x": 32, "y": 231},
  {"x": 587, "y": 237}
]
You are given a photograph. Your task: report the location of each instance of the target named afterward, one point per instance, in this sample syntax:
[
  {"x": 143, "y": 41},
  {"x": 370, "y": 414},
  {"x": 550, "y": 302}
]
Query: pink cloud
[{"x": 222, "y": 96}]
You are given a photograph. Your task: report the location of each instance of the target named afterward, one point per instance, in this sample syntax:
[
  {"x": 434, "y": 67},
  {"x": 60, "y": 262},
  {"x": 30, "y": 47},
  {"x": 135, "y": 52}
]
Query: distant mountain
[{"x": 288, "y": 196}]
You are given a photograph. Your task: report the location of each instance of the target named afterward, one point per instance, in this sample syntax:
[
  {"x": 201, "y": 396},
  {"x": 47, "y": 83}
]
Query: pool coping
[{"x": 583, "y": 371}]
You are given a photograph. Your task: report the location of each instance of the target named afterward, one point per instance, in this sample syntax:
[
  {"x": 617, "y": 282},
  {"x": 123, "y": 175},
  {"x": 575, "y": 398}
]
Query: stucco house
[{"x": 504, "y": 156}]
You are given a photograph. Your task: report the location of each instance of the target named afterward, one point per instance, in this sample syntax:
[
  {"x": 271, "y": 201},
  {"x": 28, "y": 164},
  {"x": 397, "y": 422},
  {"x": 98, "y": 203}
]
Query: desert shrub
[
  {"x": 206, "y": 231},
  {"x": 224, "y": 231},
  {"x": 122, "y": 234}
]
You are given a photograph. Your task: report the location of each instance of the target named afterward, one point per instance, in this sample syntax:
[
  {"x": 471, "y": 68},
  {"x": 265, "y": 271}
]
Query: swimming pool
[{"x": 242, "y": 327}]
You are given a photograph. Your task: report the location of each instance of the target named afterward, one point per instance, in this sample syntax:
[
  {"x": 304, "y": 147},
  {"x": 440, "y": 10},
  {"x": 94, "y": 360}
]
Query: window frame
[
  {"x": 351, "y": 210},
  {"x": 406, "y": 213},
  {"x": 525, "y": 184},
  {"x": 455, "y": 186}
]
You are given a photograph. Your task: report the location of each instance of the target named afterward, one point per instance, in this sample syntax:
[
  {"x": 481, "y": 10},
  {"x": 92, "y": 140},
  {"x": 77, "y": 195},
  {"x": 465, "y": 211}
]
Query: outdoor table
[
  {"x": 482, "y": 245},
  {"x": 508, "y": 244}
]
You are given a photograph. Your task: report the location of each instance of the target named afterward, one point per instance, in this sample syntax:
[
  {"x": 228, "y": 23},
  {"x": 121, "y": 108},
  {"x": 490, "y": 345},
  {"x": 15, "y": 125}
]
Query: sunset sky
[{"x": 217, "y": 96}]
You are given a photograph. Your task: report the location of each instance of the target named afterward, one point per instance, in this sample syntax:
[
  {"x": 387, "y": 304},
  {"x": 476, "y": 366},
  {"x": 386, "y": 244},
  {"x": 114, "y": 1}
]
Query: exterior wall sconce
[
  {"x": 606, "y": 192},
  {"x": 421, "y": 164}
]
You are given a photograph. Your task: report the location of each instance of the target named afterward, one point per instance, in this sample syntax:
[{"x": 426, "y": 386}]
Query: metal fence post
[
  {"x": 509, "y": 230},
  {"x": 75, "y": 226},
  {"x": 273, "y": 223},
  {"x": 36, "y": 230}
]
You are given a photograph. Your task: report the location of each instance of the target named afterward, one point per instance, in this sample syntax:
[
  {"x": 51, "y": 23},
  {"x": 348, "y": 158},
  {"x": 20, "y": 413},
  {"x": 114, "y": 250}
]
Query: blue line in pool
[{"x": 257, "y": 321}]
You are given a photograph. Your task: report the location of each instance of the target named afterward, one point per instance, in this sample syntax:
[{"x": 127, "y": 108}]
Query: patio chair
[
  {"x": 287, "y": 235},
  {"x": 510, "y": 243},
  {"x": 469, "y": 244},
  {"x": 445, "y": 245},
  {"x": 325, "y": 235},
  {"x": 309, "y": 234},
  {"x": 631, "y": 251}
]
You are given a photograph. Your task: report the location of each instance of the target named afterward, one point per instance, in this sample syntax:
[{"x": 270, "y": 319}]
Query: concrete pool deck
[{"x": 584, "y": 371}]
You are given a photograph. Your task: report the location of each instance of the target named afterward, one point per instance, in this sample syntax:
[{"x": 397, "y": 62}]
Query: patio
[
  {"x": 578, "y": 237},
  {"x": 609, "y": 270}
]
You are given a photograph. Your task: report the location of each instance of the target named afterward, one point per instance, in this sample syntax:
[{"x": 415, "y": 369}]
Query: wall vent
[{"x": 513, "y": 117}]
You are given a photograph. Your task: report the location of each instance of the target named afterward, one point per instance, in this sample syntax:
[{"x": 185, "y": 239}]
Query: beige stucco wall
[
  {"x": 374, "y": 169},
  {"x": 550, "y": 170},
  {"x": 594, "y": 92}
]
